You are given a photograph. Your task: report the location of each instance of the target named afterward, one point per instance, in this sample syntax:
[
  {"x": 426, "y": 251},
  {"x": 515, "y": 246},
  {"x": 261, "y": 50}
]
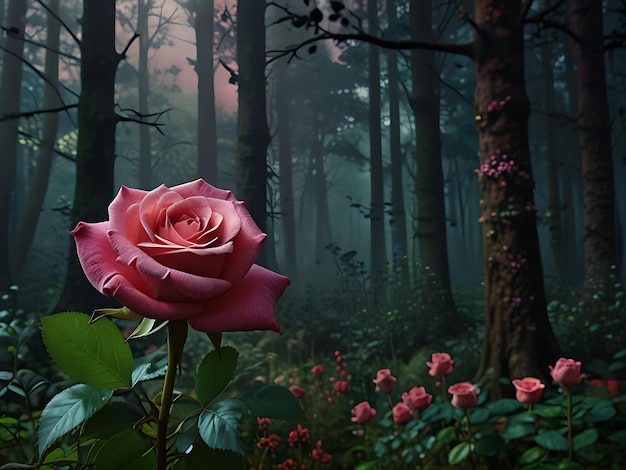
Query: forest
[{"x": 302, "y": 234}]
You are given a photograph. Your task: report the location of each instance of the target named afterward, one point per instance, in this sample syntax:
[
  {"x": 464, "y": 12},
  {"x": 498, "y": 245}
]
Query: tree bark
[
  {"x": 252, "y": 131},
  {"x": 600, "y": 234},
  {"x": 518, "y": 339},
  {"x": 96, "y": 141},
  {"x": 207, "y": 121},
  {"x": 398, "y": 214},
  {"x": 145, "y": 141},
  {"x": 377, "y": 197},
  {"x": 431, "y": 210},
  {"x": 27, "y": 221},
  {"x": 10, "y": 93}
]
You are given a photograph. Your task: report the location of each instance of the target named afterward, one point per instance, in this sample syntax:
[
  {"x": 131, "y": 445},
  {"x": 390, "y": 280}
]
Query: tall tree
[
  {"x": 600, "y": 234},
  {"x": 431, "y": 209},
  {"x": 398, "y": 214},
  {"x": 252, "y": 130},
  {"x": 207, "y": 120},
  {"x": 29, "y": 216},
  {"x": 10, "y": 93},
  {"x": 377, "y": 194},
  {"x": 145, "y": 141}
]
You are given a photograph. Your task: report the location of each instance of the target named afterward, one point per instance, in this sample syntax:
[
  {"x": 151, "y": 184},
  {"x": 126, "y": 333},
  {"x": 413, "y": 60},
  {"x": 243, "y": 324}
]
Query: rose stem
[
  {"x": 176, "y": 336},
  {"x": 568, "y": 392},
  {"x": 469, "y": 437}
]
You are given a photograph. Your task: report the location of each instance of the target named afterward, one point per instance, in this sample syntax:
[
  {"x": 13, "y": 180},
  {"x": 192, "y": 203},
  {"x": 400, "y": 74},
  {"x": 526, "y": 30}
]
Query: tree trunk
[
  {"x": 518, "y": 339},
  {"x": 145, "y": 143},
  {"x": 377, "y": 197},
  {"x": 323, "y": 233},
  {"x": 207, "y": 121},
  {"x": 285, "y": 176},
  {"x": 398, "y": 215},
  {"x": 96, "y": 141},
  {"x": 600, "y": 235},
  {"x": 554, "y": 197},
  {"x": 252, "y": 131},
  {"x": 10, "y": 93},
  {"x": 27, "y": 222}
]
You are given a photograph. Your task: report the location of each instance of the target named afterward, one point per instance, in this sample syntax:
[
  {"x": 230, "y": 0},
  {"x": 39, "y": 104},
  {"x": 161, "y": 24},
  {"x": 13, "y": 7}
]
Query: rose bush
[{"x": 185, "y": 252}]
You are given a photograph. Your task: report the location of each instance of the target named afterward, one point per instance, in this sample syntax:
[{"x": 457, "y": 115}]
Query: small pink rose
[
  {"x": 440, "y": 365},
  {"x": 317, "y": 370},
  {"x": 182, "y": 253},
  {"x": 567, "y": 372},
  {"x": 384, "y": 381},
  {"x": 341, "y": 387},
  {"x": 417, "y": 398},
  {"x": 401, "y": 413},
  {"x": 298, "y": 392},
  {"x": 363, "y": 413},
  {"x": 528, "y": 390},
  {"x": 463, "y": 395}
]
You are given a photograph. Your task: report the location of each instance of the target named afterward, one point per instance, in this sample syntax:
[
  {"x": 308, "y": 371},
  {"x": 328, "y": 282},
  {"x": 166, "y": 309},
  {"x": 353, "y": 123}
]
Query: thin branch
[
  {"x": 58, "y": 18},
  {"x": 27, "y": 114},
  {"x": 130, "y": 43},
  {"x": 56, "y": 51}
]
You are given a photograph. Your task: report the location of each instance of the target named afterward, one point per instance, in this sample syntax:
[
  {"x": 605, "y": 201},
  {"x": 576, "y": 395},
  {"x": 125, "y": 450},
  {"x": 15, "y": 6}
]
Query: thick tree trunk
[
  {"x": 27, "y": 222},
  {"x": 96, "y": 141},
  {"x": 145, "y": 142},
  {"x": 252, "y": 131},
  {"x": 554, "y": 197},
  {"x": 10, "y": 93},
  {"x": 600, "y": 235},
  {"x": 377, "y": 213},
  {"x": 431, "y": 210},
  {"x": 398, "y": 214},
  {"x": 518, "y": 340},
  {"x": 207, "y": 121},
  {"x": 285, "y": 176}
]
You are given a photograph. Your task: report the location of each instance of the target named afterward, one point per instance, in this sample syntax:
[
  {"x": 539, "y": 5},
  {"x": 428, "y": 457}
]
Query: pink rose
[
  {"x": 566, "y": 372},
  {"x": 317, "y": 370},
  {"x": 341, "y": 387},
  {"x": 298, "y": 392},
  {"x": 402, "y": 414},
  {"x": 463, "y": 395},
  {"x": 384, "y": 381},
  {"x": 528, "y": 390},
  {"x": 417, "y": 398},
  {"x": 363, "y": 413},
  {"x": 185, "y": 252},
  {"x": 440, "y": 365}
]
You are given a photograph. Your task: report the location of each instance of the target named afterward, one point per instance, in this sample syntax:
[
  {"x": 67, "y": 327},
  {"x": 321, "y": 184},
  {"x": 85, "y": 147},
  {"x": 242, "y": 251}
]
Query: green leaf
[
  {"x": 585, "y": 438},
  {"x": 517, "y": 431},
  {"x": 552, "y": 440},
  {"x": 93, "y": 353},
  {"x": 219, "y": 426},
  {"x": 149, "y": 367},
  {"x": 214, "y": 373},
  {"x": 459, "y": 453},
  {"x": 600, "y": 412},
  {"x": 126, "y": 450},
  {"x": 146, "y": 327},
  {"x": 273, "y": 401},
  {"x": 111, "y": 419},
  {"x": 533, "y": 455},
  {"x": 201, "y": 454},
  {"x": 490, "y": 444},
  {"x": 504, "y": 406},
  {"x": 61, "y": 455},
  {"x": 67, "y": 410}
]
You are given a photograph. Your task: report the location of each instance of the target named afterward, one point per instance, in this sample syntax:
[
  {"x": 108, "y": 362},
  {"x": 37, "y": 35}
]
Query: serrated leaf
[
  {"x": 111, "y": 419},
  {"x": 219, "y": 426},
  {"x": 67, "y": 410},
  {"x": 93, "y": 353},
  {"x": 459, "y": 453},
  {"x": 126, "y": 450},
  {"x": 273, "y": 401},
  {"x": 149, "y": 367},
  {"x": 552, "y": 440},
  {"x": 215, "y": 372}
]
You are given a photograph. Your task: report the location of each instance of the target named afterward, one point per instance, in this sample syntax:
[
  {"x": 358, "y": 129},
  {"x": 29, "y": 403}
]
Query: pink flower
[
  {"x": 298, "y": 392},
  {"x": 320, "y": 454},
  {"x": 528, "y": 390},
  {"x": 567, "y": 372},
  {"x": 264, "y": 423},
  {"x": 417, "y": 398},
  {"x": 299, "y": 434},
  {"x": 463, "y": 395},
  {"x": 185, "y": 252},
  {"x": 402, "y": 414},
  {"x": 440, "y": 365},
  {"x": 288, "y": 464},
  {"x": 270, "y": 442},
  {"x": 363, "y": 413},
  {"x": 384, "y": 381},
  {"x": 317, "y": 370},
  {"x": 341, "y": 387}
]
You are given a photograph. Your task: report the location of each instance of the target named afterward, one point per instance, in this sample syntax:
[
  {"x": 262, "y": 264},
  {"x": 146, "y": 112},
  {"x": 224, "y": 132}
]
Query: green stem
[
  {"x": 444, "y": 390},
  {"x": 390, "y": 402},
  {"x": 469, "y": 437},
  {"x": 176, "y": 336},
  {"x": 569, "y": 422}
]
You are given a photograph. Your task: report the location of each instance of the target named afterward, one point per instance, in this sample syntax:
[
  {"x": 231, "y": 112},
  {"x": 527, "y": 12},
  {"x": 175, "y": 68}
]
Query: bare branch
[
  {"x": 130, "y": 42},
  {"x": 58, "y": 18},
  {"x": 27, "y": 114}
]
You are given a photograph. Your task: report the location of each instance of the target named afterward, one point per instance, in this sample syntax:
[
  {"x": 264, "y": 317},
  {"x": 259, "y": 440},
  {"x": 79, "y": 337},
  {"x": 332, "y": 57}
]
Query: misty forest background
[{"x": 395, "y": 182}]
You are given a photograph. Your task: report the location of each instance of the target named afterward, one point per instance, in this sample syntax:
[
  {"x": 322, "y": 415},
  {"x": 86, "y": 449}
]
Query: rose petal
[
  {"x": 200, "y": 188},
  {"x": 249, "y": 305}
]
